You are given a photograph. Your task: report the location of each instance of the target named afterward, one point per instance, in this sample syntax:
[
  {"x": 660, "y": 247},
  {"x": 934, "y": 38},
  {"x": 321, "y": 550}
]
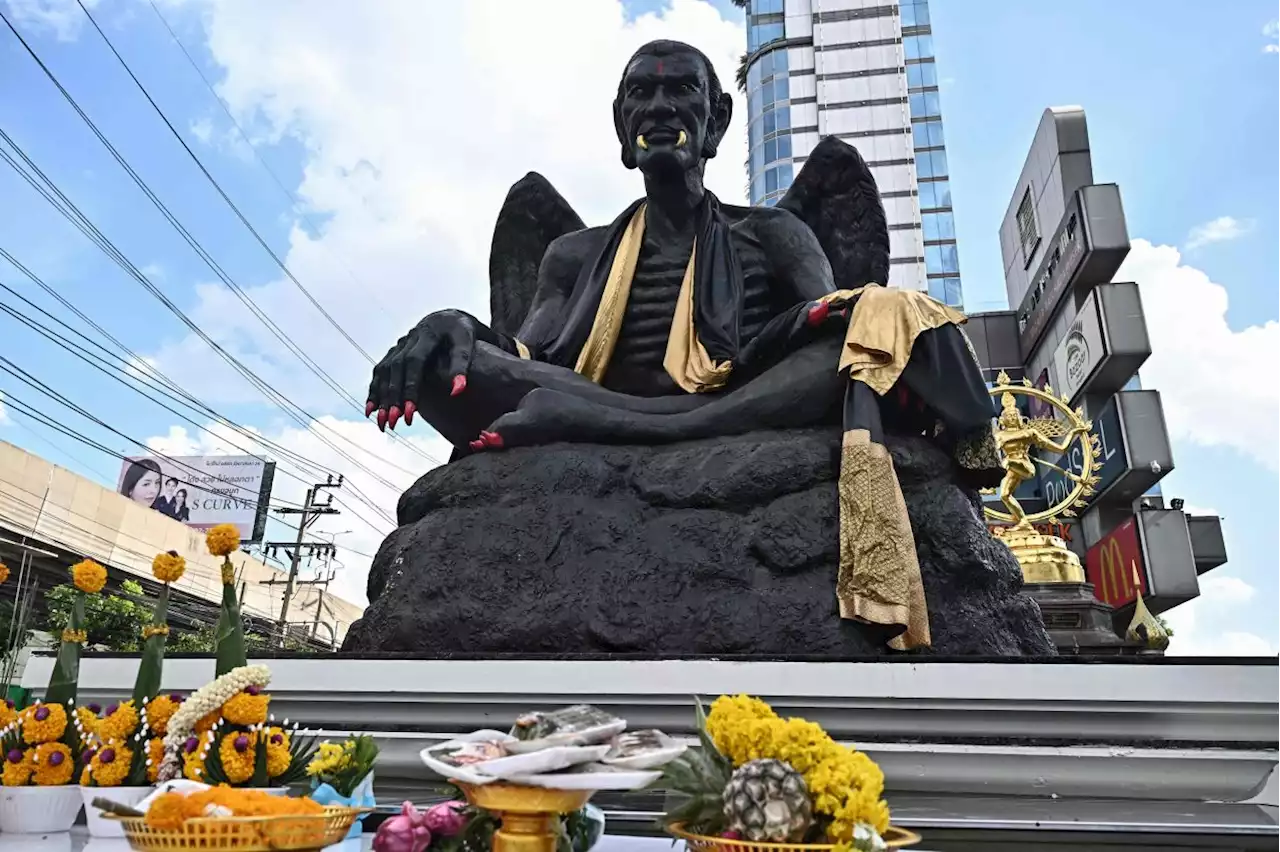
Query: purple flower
[
  {"x": 446, "y": 818},
  {"x": 176, "y": 698},
  {"x": 42, "y": 713},
  {"x": 407, "y": 832},
  {"x": 241, "y": 743},
  {"x": 277, "y": 739},
  {"x": 87, "y": 755},
  {"x": 8, "y": 702},
  {"x": 108, "y": 755},
  {"x": 14, "y": 755},
  {"x": 253, "y": 689},
  {"x": 56, "y": 758},
  {"x": 191, "y": 745},
  {"x": 112, "y": 708},
  {"x": 95, "y": 709}
]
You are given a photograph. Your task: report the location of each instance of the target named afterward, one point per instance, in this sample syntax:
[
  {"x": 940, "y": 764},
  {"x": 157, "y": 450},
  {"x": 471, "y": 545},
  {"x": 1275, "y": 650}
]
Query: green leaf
[
  {"x": 260, "y": 778},
  {"x": 66, "y": 669},
  {"x": 151, "y": 666},
  {"x": 229, "y": 633}
]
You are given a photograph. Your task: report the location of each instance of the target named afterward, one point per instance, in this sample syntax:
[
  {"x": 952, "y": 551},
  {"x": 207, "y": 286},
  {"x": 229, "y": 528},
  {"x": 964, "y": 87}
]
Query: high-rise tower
[{"x": 864, "y": 71}]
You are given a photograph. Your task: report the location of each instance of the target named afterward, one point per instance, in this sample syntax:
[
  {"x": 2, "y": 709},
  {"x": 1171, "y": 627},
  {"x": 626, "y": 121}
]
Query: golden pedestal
[
  {"x": 1044, "y": 558},
  {"x": 528, "y": 814}
]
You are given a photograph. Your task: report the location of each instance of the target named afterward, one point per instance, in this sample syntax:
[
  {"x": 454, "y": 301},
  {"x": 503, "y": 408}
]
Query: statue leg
[
  {"x": 497, "y": 383},
  {"x": 803, "y": 389}
]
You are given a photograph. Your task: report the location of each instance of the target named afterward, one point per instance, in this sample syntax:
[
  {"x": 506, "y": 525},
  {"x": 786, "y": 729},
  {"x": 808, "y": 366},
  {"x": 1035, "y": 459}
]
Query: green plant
[
  {"x": 114, "y": 622},
  {"x": 203, "y": 640},
  {"x": 7, "y": 626}
]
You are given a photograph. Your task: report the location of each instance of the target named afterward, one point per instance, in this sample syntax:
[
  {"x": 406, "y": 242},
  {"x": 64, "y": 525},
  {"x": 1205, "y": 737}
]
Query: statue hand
[
  {"x": 819, "y": 312},
  {"x": 436, "y": 352}
]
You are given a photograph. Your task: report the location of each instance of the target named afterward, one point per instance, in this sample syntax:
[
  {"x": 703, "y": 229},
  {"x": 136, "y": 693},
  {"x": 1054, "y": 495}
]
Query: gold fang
[
  {"x": 682, "y": 140},
  {"x": 644, "y": 146}
]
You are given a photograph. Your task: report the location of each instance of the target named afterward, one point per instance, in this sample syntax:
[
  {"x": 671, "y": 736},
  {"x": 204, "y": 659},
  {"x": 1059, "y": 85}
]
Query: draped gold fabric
[
  {"x": 593, "y": 360},
  {"x": 879, "y": 576}
]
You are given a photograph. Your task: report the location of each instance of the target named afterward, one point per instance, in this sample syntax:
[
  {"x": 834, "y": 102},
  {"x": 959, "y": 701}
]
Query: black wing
[
  {"x": 532, "y": 215},
  {"x": 836, "y": 196}
]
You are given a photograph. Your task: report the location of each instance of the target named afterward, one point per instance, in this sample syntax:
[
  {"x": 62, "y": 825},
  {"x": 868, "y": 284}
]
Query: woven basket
[
  {"x": 894, "y": 838},
  {"x": 293, "y": 833}
]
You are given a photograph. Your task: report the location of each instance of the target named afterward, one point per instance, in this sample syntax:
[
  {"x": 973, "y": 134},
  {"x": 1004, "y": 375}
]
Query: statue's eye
[
  {"x": 688, "y": 88},
  {"x": 635, "y": 91}
]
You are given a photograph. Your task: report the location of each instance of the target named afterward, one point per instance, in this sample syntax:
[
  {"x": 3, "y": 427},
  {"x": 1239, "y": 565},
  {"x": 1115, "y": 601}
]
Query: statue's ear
[
  {"x": 721, "y": 114},
  {"x": 628, "y": 155}
]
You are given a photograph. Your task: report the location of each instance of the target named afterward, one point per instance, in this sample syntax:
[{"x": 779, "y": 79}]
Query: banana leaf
[
  {"x": 66, "y": 675},
  {"x": 229, "y": 634},
  {"x": 151, "y": 666}
]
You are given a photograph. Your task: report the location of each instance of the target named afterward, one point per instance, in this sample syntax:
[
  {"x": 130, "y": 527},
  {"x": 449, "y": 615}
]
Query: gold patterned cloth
[{"x": 879, "y": 575}]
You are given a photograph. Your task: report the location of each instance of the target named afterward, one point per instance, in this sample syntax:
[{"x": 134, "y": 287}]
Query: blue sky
[{"x": 1182, "y": 115}]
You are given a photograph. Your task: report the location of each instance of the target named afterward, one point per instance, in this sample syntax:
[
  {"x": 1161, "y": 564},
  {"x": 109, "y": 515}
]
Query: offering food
[
  {"x": 581, "y": 724},
  {"x": 171, "y": 810},
  {"x": 470, "y": 753},
  {"x": 642, "y": 750}
]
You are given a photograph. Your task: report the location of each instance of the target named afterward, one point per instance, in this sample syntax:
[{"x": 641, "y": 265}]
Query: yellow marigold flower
[
  {"x": 207, "y": 721},
  {"x": 193, "y": 756},
  {"x": 88, "y": 722},
  {"x": 155, "y": 753},
  {"x": 18, "y": 766},
  {"x": 110, "y": 766},
  {"x": 7, "y": 714},
  {"x": 86, "y": 778},
  {"x": 54, "y": 766},
  {"x": 120, "y": 722},
  {"x": 4, "y": 572},
  {"x": 279, "y": 758},
  {"x": 238, "y": 751},
  {"x": 167, "y": 812},
  {"x": 330, "y": 758},
  {"x": 159, "y": 711},
  {"x": 89, "y": 576},
  {"x": 223, "y": 540},
  {"x": 43, "y": 723},
  {"x": 244, "y": 708},
  {"x": 168, "y": 567}
]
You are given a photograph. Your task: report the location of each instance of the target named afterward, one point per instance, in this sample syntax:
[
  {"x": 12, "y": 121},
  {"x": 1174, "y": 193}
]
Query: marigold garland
[
  {"x": 170, "y": 810},
  {"x": 845, "y": 784},
  {"x": 120, "y": 722},
  {"x": 168, "y": 567},
  {"x": 245, "y": 708},
  {"x": 223, "y": 540},
  {"x": 53, "y": 765},
  {"x": 77, "y": 636},
  {"x": 89, "y": 576},
  {"x": 43, "y": 723},
  {"x": 154, "y": 630},
  {"x": 110, "y": 766},
  {"x": 4, "y": 572}
]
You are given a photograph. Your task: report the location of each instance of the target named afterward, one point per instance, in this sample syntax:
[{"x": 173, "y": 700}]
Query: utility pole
[{"x": 311, "y": 509}]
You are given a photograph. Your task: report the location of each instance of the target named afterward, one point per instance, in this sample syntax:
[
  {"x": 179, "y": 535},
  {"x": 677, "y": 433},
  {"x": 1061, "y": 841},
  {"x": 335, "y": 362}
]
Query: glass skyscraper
[{"x": 864, "y": 71}]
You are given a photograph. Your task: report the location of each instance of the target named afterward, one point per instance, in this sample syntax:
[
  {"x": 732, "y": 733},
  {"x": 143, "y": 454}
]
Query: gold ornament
[
  {"x": 1144, "y": 627},
  {"x": 1044, "y": 558}
]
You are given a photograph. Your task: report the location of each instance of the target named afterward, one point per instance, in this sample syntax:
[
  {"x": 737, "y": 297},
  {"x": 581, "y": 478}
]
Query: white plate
[
  {"x": 647, "y": 759},
  {"x": 605, "y": 779},
  {"x": 467, "y": 774},
  {"x": 587, "y": 736}
]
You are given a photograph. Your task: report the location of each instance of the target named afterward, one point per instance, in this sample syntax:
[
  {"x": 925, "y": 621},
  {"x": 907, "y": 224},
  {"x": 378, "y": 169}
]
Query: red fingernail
[
  {"x": 459, "y": 384},
  {"x": 393, "y": 416},
  {"x": 493, "y": 439},
  {"x": 477, "y": 445},
  {"x": 382, "y": 419},
  {"x": 369, "y": 407},
  {"x": 409, "y": 410}
]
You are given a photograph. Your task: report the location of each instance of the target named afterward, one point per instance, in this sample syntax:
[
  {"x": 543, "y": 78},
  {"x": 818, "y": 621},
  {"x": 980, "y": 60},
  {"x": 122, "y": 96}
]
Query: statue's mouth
[{"x": 663, "y": 137}]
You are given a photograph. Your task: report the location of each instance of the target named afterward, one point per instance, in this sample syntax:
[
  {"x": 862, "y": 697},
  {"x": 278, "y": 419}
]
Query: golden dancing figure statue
[{"x": 1044, "y": 558}]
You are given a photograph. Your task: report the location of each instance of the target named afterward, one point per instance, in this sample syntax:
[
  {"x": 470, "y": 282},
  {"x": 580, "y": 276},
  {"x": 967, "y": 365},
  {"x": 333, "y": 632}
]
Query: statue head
[
  {"x": 1010, "y": 416},
  {"x": 670, "y": 112}
]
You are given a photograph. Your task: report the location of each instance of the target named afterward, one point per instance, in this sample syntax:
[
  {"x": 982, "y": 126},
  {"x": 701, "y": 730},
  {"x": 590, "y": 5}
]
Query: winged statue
[{"x": 687, "y": 319}]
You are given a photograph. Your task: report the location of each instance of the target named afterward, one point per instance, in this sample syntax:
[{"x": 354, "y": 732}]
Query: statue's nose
[{"x": 661, "y": 104}]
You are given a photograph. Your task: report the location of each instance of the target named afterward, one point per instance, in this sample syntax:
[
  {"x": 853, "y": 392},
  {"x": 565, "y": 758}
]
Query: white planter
[
  {"x": 39, "y": 810},
  {"x": 99, "y": 827},
  {"x": 59, "y": 842}
]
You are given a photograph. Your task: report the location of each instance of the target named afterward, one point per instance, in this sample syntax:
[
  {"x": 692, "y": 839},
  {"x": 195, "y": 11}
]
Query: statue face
[{"x": 665, "y": 114}]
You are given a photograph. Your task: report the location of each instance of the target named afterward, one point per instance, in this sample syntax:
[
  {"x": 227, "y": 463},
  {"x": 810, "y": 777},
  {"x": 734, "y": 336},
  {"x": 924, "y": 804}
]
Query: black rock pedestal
[
  {"x": 709, "y": 548},
  {"x": 1077, "y": 622}
]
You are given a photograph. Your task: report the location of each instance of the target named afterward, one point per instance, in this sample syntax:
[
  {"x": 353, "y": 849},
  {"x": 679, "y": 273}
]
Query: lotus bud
[
  {"x": 446, "y": 818},
  {"x": 406, "y": 832}
]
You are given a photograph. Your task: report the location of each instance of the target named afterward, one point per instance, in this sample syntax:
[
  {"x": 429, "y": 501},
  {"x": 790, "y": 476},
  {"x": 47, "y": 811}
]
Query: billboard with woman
[{"x": 202, "y": 491}]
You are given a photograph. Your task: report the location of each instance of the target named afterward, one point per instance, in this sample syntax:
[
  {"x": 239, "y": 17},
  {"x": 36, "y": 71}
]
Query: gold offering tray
[
  {"x": 894, "y": 838},
  {"x": 291, "y": 833}
]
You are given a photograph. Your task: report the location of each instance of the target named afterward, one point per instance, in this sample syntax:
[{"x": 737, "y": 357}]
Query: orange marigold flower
[
  {"x": 246, "y": 709},
  {"x": 207, "y": 721},
  {"x": 53, "y": 765},
  {"x": 4, "y": 572},
  {"x": 223, "y": 540},
  {"x": 120, "y": 722},
  {"x": 167, "y": 812},
  {"x": 110, "y": 766},
  {"x": 89, "y": 576},
  {"x": 7, "y": 714},
  {"x": 159, "y": 711},
  {"x": 237, "y": 753},
  {"x": 43, "y": 723},
  {"x": 18, "y": 766},
  {"x": 155, "y": 754},
  {"x": 168, "y": 567}
]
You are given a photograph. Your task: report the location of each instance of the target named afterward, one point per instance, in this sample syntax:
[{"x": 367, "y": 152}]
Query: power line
[
  {"x": 195, "y": 246},
  {"x": 176, "y": 135}
]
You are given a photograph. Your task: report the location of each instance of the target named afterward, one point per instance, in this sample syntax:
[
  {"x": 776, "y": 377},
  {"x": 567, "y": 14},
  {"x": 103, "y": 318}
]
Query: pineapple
[
  {"x": 768, "y": 801},
  {"x": 696, "y": 781}
]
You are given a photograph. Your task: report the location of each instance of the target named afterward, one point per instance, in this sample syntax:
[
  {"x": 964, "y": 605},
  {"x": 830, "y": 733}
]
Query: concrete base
[{"x": 1077, "y": 622}]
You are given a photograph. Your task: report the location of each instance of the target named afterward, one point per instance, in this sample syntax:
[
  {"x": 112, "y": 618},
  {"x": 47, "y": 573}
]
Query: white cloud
[
  {"x": 1220, "y": 230},
  {"x": 1272, "y": 31},
  {"x": 5, "y": 420},
  {"x": 1206, "y": 626},
  {"x": 62, "y": 17},
  {"x": 414, "y": 120},
  {"x": 385, "y": 459},
  {"x": 1206, "y": 372}
]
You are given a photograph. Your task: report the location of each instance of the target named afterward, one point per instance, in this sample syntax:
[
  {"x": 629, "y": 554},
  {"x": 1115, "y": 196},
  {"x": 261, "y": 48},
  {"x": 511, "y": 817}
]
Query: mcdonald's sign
[{"x": 1109, "y": 566}]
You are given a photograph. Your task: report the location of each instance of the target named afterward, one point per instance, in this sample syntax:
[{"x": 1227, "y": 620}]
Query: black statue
[{"x": 690, "y": 319}]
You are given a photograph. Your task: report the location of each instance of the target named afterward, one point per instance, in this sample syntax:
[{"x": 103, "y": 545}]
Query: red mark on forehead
[{"x": 659, "y": 66}]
